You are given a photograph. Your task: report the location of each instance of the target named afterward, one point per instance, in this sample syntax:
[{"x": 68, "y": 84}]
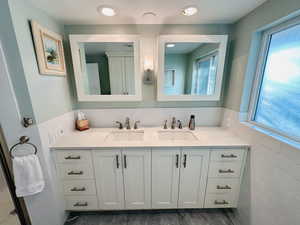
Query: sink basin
[
  {"x": 176, "y": 136},
  {"x": 126, "y": 136}
]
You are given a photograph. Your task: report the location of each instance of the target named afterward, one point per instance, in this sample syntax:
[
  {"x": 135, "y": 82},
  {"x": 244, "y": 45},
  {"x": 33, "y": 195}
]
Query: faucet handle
[
  {"x": 120, "y": 125},
  {"x": 165, "y": 124},
  {"x": 179, "y": 124},
  {"x": 136, "y": 124}
]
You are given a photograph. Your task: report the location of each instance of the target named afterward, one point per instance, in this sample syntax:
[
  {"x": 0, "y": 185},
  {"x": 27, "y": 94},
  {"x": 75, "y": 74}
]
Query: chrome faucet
[
  {"x": 165, "y": 124},
  {"x": 173, "y": 124},
  {"x": 120, "y": 125},
  {"x": 179, "y": 124},
  {"x": 127, "y": 123}
]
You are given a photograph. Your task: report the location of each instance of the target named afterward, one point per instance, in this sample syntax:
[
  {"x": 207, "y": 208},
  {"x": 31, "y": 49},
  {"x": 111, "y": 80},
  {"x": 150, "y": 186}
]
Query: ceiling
[
  {"x": 182, "y": 48},
  {"x": 131, "y": 11}
]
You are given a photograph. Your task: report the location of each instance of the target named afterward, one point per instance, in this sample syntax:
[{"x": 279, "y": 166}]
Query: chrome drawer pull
[
  {"x": 72, "y": 157},
  {"x": 228, "y": 156},
  {"x": 75, "y": 173},
  {"x": 226, "y": 187},
  {"x": 221, "y": 202},
  {"x": 81, "y": 204},
  {"x": 226, "y": 171},
  {"x": 78, "y": 189}
]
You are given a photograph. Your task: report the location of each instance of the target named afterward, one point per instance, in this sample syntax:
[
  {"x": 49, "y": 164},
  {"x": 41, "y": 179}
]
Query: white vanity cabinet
[
  {"x": 179, "y": 177},
  {"x": 123, "y": 178},
  {"x": 150, "y": 178}
]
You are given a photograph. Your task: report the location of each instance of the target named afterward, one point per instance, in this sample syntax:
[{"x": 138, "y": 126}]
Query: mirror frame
[
  {"x": 163, "y": 39},
  {"x": 81, "y": 95}
]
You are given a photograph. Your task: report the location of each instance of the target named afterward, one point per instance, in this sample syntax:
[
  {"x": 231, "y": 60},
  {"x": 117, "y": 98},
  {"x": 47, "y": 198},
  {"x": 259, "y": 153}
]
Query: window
[
  {"x": 205, "y": 77},
  {"x": 277, "y": 99}
]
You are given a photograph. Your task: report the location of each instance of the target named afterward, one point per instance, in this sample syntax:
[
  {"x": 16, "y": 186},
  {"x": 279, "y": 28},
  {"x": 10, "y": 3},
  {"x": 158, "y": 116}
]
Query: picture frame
[{"x": 49, "y": 51}]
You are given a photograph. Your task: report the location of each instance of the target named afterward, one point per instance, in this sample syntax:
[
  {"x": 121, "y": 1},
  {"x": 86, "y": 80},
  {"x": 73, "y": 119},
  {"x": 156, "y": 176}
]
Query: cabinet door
[
  {"x": 165, "y": 178},
  {"x": 193, "y": 175},
  {"x": 137, "y": 178},
  {"x": 109, "y": 179},
  {"x": 117, "y": 75}
]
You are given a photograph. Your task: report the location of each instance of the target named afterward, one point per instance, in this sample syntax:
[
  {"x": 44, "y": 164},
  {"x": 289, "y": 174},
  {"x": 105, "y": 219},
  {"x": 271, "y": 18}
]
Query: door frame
[{"x": 6, "y": 166}]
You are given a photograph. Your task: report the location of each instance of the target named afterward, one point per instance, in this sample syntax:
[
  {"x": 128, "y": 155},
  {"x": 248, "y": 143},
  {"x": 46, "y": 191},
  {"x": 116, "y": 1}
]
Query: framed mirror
[
  {"x": 106, "y": 67},
  {"x": 190, "y": 67}
]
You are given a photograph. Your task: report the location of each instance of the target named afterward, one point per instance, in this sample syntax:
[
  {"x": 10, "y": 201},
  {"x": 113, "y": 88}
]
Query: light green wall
[
  {"x": 50, "y": 95},
  {"x": 177, "y": 62},
  {"x": 244, "y": 29},
  {"x": 148, "y": 91},
  {"x": 13, "y": 58}
]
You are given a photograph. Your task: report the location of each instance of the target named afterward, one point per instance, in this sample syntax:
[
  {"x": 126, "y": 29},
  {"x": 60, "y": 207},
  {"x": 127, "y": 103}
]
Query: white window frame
[
  {"x": 259, "y": 74},
  {"x": 201, "y": 59}
]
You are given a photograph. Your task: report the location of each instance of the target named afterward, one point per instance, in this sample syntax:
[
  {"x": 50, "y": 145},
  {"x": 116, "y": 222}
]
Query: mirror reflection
[
  {"x": 107, "y": 68},
  {"x": 190, "y": 68}
]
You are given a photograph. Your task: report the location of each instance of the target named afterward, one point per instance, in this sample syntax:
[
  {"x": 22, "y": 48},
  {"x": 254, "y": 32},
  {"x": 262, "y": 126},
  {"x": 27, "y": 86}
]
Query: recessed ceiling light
[
  {"x": 170, "y": 45},
  {"x": 189, "y": 11},
  {"x": 107, "y": 10}
]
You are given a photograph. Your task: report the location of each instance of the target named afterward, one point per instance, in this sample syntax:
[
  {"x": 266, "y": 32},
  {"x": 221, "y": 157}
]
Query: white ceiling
[
  {"x": 131, "y": 11},
  {"x": 93, "y": 48}
]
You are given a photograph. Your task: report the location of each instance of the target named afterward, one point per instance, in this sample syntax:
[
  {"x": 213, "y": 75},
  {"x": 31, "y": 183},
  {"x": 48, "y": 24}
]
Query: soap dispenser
[{"x": 192, "y": 122}]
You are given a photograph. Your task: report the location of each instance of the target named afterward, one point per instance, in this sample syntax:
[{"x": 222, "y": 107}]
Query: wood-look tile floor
[{"x": 178, "y": 217}]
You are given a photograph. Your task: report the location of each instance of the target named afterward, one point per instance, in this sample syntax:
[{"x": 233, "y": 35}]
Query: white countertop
[{"x": 97, "y": 138}]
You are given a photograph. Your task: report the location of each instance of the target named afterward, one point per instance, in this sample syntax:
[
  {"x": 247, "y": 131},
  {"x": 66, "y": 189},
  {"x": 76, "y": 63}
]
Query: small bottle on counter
[{"x": 192, "y": 122}]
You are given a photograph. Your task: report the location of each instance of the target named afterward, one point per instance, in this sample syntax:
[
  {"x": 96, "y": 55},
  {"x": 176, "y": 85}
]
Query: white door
[
  {"x": 193, "y": 176},
  {"x": 94, "y": 78},
  {"x": 165, "y": 178},
  {"x": 109, "y": 179},
  {"x": 137, "y": 178},
  {"x": 116, "y": 75},
  {"x": 129, "y": 75}
]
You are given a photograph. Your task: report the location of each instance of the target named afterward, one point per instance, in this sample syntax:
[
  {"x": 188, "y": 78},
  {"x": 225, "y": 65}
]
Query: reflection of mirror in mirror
[
  {"x": 190, "y": 68},
  {"x": 108, "y": 68}
]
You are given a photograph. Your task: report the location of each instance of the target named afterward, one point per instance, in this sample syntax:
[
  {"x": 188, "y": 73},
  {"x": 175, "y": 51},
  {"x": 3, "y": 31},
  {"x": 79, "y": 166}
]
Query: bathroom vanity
[{"x": 150, "y": 168}]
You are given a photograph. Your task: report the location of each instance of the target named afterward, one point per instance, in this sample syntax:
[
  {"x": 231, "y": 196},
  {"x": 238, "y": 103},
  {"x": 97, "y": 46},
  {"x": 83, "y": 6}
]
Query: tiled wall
[
  {"x": 270, "y": 193},
  {"x": 205, "y": 116}
]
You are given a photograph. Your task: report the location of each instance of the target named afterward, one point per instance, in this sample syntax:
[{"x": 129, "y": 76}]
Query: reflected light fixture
[
  {"x": 107, "y": 10},
  {"x": 170, "y": 45},
  {"x": 189, "y": 11}
]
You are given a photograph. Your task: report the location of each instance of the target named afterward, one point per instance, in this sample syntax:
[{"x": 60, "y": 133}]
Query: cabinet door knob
[
  {"x": 78, "y": 189},
  {"x": 221, "y": 202},
  {"x": 228, "y": 156},
  {"x": 184, "y": 161},
  {"x": 81, "y": 204},
  {"x": 226, "y": 171},
  {"x": 117, "y": 161},
  {"x": 226, "y": 187},
  {"x": 75, "y": 173},
  {"x": 73, "y": 157},
  {"x": 125, "y": 161},
  {"x": 177, "y": 160}
]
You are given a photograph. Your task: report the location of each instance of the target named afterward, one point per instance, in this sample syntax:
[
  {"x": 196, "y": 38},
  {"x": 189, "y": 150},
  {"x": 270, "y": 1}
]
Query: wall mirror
[
  {"x": 190, "y": 67},
  {"x": 106, "y": 67}
]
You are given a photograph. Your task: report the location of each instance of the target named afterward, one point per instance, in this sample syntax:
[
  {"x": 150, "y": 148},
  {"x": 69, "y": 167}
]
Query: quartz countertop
[{"x": 97, "y": 138}]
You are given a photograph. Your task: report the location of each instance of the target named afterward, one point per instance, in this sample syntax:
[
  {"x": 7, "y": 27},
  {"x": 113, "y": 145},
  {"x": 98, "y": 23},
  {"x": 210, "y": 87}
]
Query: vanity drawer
[
  {"x": 79, "y": 187},
  {"x": 81, "y": 203},
  {"x": 78, "y": 156},
  {"x": 76, "y": 171},
  {"x": 220, "y": 201},
  {"x": 225, "y": 169},
  {"x": 227, "y": 155},
  {"x": 222, "y": 185}
]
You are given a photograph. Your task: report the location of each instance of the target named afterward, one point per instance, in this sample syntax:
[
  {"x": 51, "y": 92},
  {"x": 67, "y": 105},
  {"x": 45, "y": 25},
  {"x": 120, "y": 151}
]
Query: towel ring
[{"x": 23, "y": 140}]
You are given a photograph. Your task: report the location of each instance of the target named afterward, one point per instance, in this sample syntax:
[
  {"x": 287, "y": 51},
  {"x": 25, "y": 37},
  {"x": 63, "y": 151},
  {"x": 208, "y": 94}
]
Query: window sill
[{"x": 274, "y": 135}]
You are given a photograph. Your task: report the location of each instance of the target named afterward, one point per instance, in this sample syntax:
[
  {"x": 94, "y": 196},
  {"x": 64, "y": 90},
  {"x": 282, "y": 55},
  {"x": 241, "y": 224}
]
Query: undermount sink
[
  {"x": 126, "y": 135},
  {"x": 176, "y": 136}
]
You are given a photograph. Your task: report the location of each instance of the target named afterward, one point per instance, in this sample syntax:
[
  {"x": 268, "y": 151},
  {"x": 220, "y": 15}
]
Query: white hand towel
[{"x": 28, "y": 175}]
